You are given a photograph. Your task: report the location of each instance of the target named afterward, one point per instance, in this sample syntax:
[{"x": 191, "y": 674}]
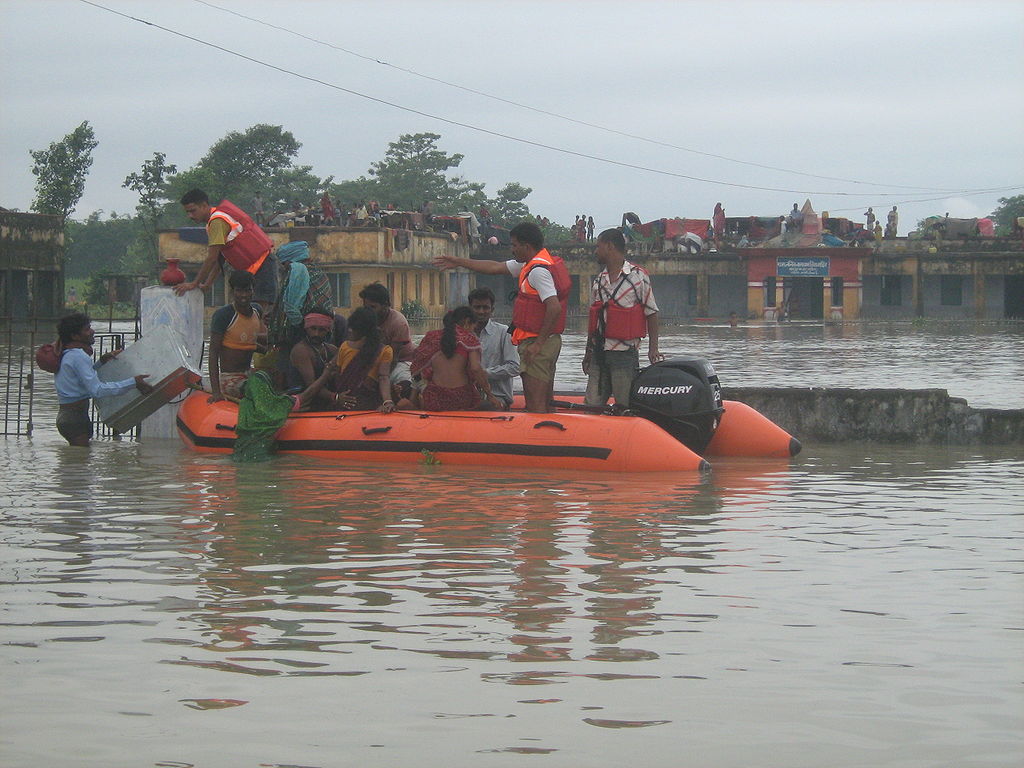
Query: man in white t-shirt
[{"x": 538, "y": 315}]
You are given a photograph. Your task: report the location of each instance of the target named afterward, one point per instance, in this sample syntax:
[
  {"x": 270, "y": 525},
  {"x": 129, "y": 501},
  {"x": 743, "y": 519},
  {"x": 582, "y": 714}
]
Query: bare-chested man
[{"x": 236, "y": 332}]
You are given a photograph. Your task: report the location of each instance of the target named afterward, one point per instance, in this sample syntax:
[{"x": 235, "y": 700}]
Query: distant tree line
[{"x": 261, "y": 159}]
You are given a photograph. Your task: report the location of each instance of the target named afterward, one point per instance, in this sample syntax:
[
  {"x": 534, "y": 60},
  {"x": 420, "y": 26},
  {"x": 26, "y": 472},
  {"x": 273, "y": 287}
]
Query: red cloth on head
[{"x": 318, "y": 320}]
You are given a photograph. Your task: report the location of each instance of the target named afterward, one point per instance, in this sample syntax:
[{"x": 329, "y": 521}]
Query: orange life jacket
[
  {"x": 528, "y": 310},
  {"x": 246, "y": 246},
  {"x": 620, "y": 323}
]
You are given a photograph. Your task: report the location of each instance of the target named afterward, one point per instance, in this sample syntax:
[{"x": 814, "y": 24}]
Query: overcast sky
[{"x": 914, "y": 100}]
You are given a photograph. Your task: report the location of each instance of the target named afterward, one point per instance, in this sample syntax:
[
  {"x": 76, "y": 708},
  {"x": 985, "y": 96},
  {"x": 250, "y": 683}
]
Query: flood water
[{"x": 859, "y": 605}]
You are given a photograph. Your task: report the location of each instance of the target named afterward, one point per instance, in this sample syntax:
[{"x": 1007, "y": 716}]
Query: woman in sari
[
  {"x": 449, "y": 359},
  {"x": 362, "y": 381}
]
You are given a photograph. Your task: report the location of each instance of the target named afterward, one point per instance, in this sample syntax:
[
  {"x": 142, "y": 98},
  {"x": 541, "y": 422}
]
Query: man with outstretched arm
[
  {"x": 622, "y": 312},
  {"x": 538, "y": 314},
  {"x": 234, "y": 238}
]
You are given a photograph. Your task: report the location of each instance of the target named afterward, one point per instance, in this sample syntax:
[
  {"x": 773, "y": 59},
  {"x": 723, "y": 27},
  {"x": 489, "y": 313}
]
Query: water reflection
[
  {"x": 381, "y": 612},
  {"x": 532, "y": 561}
]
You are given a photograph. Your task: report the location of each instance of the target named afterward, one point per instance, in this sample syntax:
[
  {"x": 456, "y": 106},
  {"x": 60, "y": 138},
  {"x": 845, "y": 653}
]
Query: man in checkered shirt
[{"x": 622, "y": 312}]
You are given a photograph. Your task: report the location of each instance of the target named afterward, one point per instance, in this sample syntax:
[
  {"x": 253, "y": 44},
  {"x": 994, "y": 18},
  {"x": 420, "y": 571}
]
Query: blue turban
[{"x": 289, "y": 252}]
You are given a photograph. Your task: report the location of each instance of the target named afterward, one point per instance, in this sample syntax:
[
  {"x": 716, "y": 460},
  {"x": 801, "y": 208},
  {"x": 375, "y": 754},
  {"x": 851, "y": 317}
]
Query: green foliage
[
  {"x": 95, "y": 245},
  {"x": 413, "y": 309},
  {"x": 151, "y": 185},
  {"x": 249, "y": 159},
  {"x": 415, "y": 170},
  {"x": 507, "y": 208},
  {"x": 429, "y": 458},
  {"x": 96, "y": 290},
  {"x": 241, "y": 164},
  {"x": 1006, "y": 214},
  {"x": 556, "y": 233},
  {"x": 60, "y": 171}
]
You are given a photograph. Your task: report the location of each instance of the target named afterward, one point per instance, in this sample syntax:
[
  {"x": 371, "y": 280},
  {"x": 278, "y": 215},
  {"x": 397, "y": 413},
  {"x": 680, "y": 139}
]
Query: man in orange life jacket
[
  {"x": 622, "y": 312},
  {"x": 233, "y": 237},
  {"x": 538, "y": 314}
]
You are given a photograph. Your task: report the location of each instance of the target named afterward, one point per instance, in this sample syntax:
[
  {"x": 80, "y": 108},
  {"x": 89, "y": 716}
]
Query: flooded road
[{"x": 859, "y": 605}]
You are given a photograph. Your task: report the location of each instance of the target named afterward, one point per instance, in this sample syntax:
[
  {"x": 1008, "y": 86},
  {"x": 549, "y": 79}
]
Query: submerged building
[
  {"x": 803, "y": 274},
  {"x": 31, "y": 266}
]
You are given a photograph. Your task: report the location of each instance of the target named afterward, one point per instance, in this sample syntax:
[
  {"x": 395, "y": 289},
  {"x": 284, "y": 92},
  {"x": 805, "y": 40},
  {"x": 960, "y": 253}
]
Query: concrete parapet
[{"x": 885, "y": 415}]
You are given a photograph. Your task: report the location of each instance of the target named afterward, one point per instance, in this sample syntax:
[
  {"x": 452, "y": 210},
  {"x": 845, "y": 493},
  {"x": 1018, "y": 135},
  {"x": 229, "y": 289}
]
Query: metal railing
[{"x": 19, "y": 380}]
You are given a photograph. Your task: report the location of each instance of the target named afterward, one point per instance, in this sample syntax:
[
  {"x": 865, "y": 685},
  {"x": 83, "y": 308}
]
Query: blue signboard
[{"x": 798, "y": 266}]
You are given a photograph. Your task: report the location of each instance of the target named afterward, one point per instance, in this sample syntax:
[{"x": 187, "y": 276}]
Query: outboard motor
[{"x": 683, "y": 397}]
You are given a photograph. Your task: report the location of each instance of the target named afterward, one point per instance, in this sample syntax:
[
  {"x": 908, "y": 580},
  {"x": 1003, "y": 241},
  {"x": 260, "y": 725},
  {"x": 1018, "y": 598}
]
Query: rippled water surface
[
  {"x": 981, "y": 362},
  {"x": 859, "y": 605}
]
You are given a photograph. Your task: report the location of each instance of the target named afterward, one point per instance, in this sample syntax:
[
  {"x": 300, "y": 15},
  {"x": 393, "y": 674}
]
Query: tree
[
  {"x": 251, "y": 158},
  {"x": 150, "y": 185},
  {"x": 260, "y": 159},
  {"x": 96, "y": 245},
  {"x": 60, "y": 171},
  {"x": 413, "y": 170},
  {"x": 1006, "y": 214},
  {"x": 508, "y": 208}
]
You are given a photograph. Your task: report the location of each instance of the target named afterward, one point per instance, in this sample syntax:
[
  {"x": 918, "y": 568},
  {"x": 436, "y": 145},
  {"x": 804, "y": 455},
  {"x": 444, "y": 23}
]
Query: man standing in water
[
  {"x": 77, "y": 382},
  {"x": 538, "y": 314},
  {"x": 622, "y": 312},
  {"x": 233, "y": 237},
  {"x": 236, "y": 330}
]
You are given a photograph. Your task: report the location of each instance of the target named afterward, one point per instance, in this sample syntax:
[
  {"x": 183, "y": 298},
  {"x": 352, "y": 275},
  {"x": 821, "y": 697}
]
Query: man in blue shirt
[{"x": 77, "y": 382}]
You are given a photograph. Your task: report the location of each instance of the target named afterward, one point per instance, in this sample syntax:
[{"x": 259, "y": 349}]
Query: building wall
[
  {"x": 707, "y": 285},
  {"x": 763, "y": 269},
  {"x": 31, "y": 266},
  {"x": 985, "y": 268},
  {"x": 352, "y": 258},
  {"x": 872, "y": 307}
]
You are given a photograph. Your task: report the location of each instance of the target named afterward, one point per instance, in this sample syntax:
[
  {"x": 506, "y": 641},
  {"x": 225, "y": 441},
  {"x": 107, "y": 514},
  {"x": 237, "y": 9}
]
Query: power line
[
  {"x": 541, "y": 111},
  {"x": 509, "y": 137}
]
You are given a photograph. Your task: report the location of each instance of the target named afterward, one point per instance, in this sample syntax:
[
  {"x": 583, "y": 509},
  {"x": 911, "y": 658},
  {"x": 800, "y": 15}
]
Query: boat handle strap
[
  {"x": 375, "y": 430},
  {"x": 549, "y": 423},
  {"x": 226, "y": 427}
]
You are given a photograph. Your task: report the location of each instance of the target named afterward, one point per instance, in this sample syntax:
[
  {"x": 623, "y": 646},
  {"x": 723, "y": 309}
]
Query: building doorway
[
  {"x": 804, "y": 298},
  {"x": 1013, "y": 296}
]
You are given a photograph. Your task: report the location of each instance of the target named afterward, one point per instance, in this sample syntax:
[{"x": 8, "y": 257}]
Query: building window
[
  {"x": 691, "y": 290},
  {"x": 769, "y": 291},
  {"x": 951, "y": 290},
  {"x": 342, "y": 289},
  {"x": 837, "y": 291},
  {"x": 419, "y": 286},
  {"x": 217, "y": 295},
  {"x": 891, "y": 294},
  {"x": 431, "y": 285},
  {"x": 391, "y": 286}
]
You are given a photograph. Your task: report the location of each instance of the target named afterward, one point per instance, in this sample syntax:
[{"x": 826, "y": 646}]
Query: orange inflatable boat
[
  {"x": 741, "y": 431},
  {"x": 563, "y": 440},
  {"x": 679, "y": 402}
]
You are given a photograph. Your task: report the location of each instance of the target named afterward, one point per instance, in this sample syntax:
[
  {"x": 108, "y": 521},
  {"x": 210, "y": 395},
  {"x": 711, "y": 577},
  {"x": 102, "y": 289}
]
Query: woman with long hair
[
  {"x": 449, "y": 359},
  {"x": 362, "y": 380}
]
